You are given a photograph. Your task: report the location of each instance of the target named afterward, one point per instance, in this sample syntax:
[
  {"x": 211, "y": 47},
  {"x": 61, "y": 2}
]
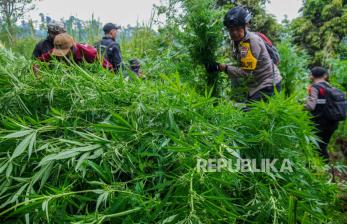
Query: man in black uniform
[
  {"x": 54, "y": 28},
  {"x": 316, "y": 103},
  {"x": 109, "y": 49}
]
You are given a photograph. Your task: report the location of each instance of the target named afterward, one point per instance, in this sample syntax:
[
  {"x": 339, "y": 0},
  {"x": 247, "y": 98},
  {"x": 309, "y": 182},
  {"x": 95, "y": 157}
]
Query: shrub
[{"x": 86, "y": 147}]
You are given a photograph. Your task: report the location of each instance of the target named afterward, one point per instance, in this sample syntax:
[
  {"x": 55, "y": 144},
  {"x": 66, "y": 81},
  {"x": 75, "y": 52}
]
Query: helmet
[{"x": 238, "y": 16}]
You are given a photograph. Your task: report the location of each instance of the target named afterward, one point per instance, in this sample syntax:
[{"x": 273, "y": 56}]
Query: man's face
[
  {"x": 114, "y": 33},
  {"x": 236, "y": 33}
]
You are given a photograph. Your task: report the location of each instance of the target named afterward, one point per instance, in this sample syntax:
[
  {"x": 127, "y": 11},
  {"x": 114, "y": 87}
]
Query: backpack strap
[
  {"x": 323, "y": 96},
  {"x": 267, "y": 40},
  {"x": 321, "y": 87}
]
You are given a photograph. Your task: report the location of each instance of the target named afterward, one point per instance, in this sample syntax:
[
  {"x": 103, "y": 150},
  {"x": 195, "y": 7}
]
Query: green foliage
[
  {"x": 338, "y": 74},
  {"x": 182, "y": 39},
  {"x": 203, "y": 31},
  {"x": 294, "y": 68},
  {"x": 141, "y": 44},
  {"x": 86, "y": 147},
  {"x": 338, "y": 78},
  {"x": 25, "y": 46},
  {"x": 161, "y": 53},
  {"x": 321, "y": 28}
]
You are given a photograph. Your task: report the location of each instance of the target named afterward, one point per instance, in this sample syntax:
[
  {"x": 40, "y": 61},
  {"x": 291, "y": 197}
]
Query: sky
[
  {"x": 280, "y": 8},
  {"x": 124, "y": 12}
]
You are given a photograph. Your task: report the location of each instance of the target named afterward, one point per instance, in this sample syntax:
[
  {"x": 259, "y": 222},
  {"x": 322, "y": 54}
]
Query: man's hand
[
  {"x": 216, "y": 67},
  {"x": 222, "y": 67},
  {"x": 212, "y": 67}
]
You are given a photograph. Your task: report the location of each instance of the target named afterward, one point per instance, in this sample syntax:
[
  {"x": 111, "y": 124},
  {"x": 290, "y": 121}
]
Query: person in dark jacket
[
  {"x": 315, "y": 103},
  {"x": 109, "y": 49},
  {"x": 54, "y": 28}
]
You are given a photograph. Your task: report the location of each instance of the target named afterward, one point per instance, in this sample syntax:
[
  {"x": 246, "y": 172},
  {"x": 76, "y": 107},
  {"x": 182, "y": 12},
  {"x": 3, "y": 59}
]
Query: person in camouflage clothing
[{"x": 53, "y": 29}]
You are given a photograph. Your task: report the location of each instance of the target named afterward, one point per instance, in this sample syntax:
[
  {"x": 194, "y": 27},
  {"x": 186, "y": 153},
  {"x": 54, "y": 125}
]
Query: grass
[{"x": 80, "y": 145}]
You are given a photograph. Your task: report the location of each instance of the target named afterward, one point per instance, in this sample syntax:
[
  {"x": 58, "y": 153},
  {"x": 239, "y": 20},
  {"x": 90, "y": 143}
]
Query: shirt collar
[
  {"x": 245, "y": 38},
  {"x": 108, "y": 38}
]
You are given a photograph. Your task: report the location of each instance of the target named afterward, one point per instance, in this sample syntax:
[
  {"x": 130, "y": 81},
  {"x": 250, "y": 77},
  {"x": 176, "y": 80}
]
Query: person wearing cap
[
  {"x": 315, "y": 103},
  {"x": 254, "y": 60},
  {"x": 66, "y": 49},
  {"x": 109, "y": 49},
  {"x": 135, "y": 67},
  {"x": 54, "y": 28}
]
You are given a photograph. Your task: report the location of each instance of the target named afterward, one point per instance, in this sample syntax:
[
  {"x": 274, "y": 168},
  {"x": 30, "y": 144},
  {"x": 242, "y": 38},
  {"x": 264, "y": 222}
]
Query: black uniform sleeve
[
  {"x": 37, "y": 50},
  {"x": 115, "y": 57}
]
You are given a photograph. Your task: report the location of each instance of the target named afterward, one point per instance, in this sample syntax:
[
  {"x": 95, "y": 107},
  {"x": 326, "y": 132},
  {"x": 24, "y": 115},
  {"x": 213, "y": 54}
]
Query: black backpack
[
  {"x": 335, "y": 107},
  {"x": 273, "y": 52}
]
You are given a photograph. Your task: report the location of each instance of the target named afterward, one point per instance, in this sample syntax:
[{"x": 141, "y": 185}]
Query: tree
[
  {"x": 11, "y": 11},
  {"x": 321, "y": 28}
]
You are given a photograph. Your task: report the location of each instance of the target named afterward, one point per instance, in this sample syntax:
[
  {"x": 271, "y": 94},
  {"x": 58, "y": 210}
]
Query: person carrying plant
[
  {"x": 255, "y": 54},
  {"x": 327, "y": 106},
  {"x": 109, "y": 49},
  {"x": 53, "y": 29},
  {"x": 66, "y": 49}
]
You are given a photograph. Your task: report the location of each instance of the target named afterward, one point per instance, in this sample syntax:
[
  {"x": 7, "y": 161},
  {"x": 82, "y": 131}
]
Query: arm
[
  {"x": 116, "y": 59},
  {"x": 46, "y": 57},
  {"x": 89, "y": 53},
  {"x": 311, "y": 101},
  {"x": 250, "y": 60},
  {"x": 233, "y": 71},
  {"x": 37, "y": 51}
]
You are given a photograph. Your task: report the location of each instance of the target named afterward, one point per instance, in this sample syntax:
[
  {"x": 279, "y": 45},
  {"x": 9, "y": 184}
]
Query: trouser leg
[
  {"x": 264, "y": 93},
  {"x": 325, "y": 131}
]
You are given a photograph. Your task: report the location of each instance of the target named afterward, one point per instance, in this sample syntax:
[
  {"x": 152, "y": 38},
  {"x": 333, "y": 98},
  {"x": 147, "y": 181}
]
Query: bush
[
  {"x": 338, "y": 72},
  {"x": 203, "y": 36},
  {"x": 25, "y": 46},
  {"x": 86, "y": 147},
  {"x": 294, "y": 68}
]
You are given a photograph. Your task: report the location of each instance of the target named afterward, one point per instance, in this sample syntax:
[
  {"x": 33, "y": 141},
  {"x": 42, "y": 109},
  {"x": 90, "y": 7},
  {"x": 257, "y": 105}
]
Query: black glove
[{"x": 212, "y": 67}]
